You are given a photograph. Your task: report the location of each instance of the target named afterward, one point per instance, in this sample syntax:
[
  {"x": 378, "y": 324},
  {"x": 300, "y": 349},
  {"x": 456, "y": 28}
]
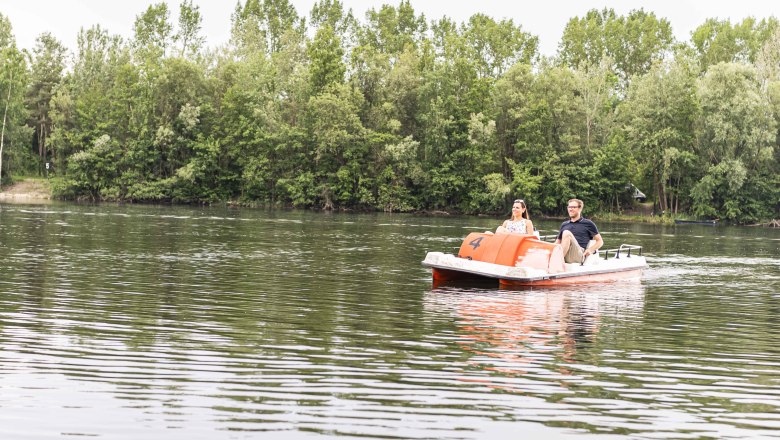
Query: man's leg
[{"x": 572, "y": 252}]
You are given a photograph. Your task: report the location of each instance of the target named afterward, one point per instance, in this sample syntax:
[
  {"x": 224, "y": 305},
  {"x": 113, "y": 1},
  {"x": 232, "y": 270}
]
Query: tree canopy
[{"x": 320, "y": 109}]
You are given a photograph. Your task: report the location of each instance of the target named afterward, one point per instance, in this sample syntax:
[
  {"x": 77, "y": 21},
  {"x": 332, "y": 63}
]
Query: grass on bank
[{"x": 637, "y": 218}]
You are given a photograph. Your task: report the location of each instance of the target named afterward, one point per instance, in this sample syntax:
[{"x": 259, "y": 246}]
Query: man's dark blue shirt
[{"x": 583, "y": 230}]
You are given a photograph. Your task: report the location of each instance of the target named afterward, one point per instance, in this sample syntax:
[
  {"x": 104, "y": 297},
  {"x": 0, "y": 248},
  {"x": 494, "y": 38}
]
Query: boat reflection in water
[{"x": 532, "y": 337}]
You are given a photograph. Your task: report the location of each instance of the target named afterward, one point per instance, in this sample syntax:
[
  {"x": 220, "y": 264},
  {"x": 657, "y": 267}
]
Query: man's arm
[{"x": 595, "y": 246}]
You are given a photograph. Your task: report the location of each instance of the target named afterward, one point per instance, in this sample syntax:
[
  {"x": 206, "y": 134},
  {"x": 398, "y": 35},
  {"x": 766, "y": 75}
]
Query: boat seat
[{"x": 592, "y": 258}]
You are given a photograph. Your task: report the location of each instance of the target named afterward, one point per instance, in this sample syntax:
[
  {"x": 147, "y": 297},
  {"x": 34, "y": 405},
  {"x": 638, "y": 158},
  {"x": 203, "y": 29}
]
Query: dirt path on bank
[{"x": 27, "y": 190}]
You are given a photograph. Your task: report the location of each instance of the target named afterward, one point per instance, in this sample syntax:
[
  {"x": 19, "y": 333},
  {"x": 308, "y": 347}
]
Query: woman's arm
[
  {"x": 529, "y": 227},
  {"x": 502, "y": 228}
]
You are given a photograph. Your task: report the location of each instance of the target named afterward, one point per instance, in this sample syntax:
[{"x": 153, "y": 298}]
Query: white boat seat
[{"x": 592, "y": 258}]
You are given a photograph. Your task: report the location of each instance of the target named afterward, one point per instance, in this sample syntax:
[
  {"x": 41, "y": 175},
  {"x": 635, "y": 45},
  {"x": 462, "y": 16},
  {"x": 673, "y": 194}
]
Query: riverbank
[
  {"x": 38, "y": 190},
  {"x": 29, "y": 190},
  {"x": 634, "y": 218}
]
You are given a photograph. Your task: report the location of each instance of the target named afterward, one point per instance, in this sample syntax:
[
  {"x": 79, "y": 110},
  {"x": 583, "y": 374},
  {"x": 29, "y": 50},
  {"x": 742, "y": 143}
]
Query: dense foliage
[{"x": 399, "y": 113}]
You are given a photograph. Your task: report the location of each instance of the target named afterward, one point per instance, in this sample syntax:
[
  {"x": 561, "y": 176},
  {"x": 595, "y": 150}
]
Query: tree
[
  {"x": 659, "y": 116},
  {"x": 634, "y": 42},
  {"x": 325, "y": 54},
  {"x": 153, "y": 32},
  {"x": 396, "y": 113},
  {"x": 331, "y": 13},
  {"x": 14, "y": 135},
  {"x": 337, "y": 137},
  {"x": 495, "y": 46},
  {"x": 595, "y": 90},
  {"x": 512, "y": 106},
  {"x": 768, "y": 59},
  {"x": 97, "y": 61},
  {"x": 190, "y": 24},
  {"x": 261, "y": 25},
  {"x": 7, "y": 38},
  {"x": 46, "y": 74},
  {"x": 717, "y": 41},
  {"x": 737, "y": 134},
  {"x": 390, "y": 30}
]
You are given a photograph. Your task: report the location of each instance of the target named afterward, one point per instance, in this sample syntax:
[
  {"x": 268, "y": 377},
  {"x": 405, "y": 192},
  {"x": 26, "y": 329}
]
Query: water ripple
[{"x": 143, "y": 322}]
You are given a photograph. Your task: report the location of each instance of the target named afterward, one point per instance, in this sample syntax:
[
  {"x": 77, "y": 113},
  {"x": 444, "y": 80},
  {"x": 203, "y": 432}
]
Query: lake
[{"x": 144, "y": 322}]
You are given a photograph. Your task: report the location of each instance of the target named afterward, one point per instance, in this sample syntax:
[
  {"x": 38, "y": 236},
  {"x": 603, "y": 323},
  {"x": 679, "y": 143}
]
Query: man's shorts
[{"x": 574, "y": 255}]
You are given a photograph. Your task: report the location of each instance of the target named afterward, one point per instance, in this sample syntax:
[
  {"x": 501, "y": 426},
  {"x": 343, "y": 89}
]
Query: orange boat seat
[{"x": 521, "y": 250}]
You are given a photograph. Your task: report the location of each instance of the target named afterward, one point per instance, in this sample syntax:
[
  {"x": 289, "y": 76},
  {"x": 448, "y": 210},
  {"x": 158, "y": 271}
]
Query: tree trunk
[
  {"x": 677, "y": 199},
  {"x": 677, "y": 204},
  {"x": 502, "y": 134},
  {"x": 660, "y": 193},
  {"x": 587, "y": 143},
  {"x": 670, "y": 195},
  {"x": 5, "y": 115}
]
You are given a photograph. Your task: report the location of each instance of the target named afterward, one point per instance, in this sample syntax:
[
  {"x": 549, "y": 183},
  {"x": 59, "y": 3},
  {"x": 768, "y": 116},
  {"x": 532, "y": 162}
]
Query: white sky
[{"x": 546, "y": 19}]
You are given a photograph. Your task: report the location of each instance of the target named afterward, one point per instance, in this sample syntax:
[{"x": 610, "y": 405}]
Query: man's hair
[{"x": 580, "y": 203}]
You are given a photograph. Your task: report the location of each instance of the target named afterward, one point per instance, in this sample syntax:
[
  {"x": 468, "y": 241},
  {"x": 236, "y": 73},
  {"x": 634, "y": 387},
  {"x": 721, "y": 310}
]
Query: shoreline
[
  {"x": 27, "y": 191},
  {"x": 38, "y": 191}
]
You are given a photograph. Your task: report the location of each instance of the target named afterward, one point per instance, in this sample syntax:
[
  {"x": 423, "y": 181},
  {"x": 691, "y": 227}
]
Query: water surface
[{"x": 186, "y": 323}]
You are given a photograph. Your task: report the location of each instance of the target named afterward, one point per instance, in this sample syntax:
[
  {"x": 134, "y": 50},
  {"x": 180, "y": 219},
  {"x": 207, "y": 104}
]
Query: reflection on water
[
  {"x": 589, "y": 353},
  {"x": 149, "y": 322},
  {"x": 535, "y": 332}
]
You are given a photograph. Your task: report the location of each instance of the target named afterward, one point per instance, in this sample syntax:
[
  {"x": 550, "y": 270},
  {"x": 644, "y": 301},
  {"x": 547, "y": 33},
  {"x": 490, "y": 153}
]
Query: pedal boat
[{"x": 527, "y": 260}]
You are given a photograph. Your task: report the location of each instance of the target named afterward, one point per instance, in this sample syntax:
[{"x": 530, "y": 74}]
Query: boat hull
[
  {"x": 609, "y": 277},
  {"x": 447, "y": 268}
]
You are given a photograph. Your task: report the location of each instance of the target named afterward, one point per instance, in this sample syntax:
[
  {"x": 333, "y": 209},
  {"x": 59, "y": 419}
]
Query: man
[{"x": 576, "y": 233}]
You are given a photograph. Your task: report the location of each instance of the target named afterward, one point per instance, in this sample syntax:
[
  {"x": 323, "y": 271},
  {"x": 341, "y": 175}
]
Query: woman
[{"x": 519, "y": 223}]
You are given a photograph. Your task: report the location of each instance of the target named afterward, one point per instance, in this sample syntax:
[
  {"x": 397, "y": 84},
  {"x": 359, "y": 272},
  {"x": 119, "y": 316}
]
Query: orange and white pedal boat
[{"x": 526, "y": 260}]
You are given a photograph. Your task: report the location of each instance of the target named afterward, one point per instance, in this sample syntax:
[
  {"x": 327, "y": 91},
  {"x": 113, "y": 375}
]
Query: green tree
[
  {"x": 737, "y": 134},
  {"x": 325, "y": 54},
  {"x": 634, "y": 42},
  {"x": 391, "y": 29},
  {"x": 92, "y": 172},
  {"x": 338, "y": 144},
  {"x": 261, "y": 25},
  {"x": 331, "y": 13},
  {"x": 398, "y": 114},
  {"x": 495, "y": 46},
  {"x": 399, "y": 170},
  {"x": 512, "y": 103},
  {"x": 718, "y": 41},
  {"x": 47, "y": 69},
  {"x": 14, "y": 135},
  {"x": 153, "y": 32},
  {"x": 595, "y": 91},
  {"x": 659, "y": 117},
  {"x": 190, "y": 24},
  {"x": 97, "y": 61}
]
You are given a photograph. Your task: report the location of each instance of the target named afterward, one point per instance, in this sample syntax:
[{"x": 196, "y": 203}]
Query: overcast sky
[{"x": 546, "y": 19}]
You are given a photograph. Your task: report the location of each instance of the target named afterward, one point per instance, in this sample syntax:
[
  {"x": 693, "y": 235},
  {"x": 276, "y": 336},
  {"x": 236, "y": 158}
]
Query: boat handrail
[{"x": 624, "y": 248}]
